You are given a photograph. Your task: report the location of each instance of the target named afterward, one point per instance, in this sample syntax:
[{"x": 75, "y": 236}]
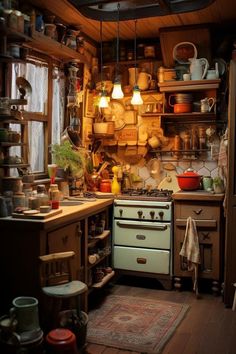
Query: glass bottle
[
  {"x": 194, "y": 139},
  {"x": 54, "y": 196}
]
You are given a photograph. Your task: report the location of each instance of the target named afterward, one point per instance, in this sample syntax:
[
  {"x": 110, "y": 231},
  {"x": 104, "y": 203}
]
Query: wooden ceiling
[{"x": 221, "y": 12}]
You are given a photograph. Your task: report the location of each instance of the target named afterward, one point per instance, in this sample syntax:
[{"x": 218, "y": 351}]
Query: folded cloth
[{"x": 190, "y": 249}]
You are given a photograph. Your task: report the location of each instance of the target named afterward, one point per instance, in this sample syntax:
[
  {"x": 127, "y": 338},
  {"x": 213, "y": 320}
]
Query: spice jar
[
  {"x": 54, "y": 196},
  {"x": 42, "y": 195},
  {"x": 105, "y": 186}
]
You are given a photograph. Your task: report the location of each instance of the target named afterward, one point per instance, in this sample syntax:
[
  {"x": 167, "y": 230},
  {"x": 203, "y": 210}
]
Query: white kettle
[{"x": 198, "y": 68}]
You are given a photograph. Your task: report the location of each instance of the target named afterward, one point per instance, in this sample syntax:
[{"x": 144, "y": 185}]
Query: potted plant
[
  {"x": 218, "y": 184},
  {"x": 71, "y": 160}
]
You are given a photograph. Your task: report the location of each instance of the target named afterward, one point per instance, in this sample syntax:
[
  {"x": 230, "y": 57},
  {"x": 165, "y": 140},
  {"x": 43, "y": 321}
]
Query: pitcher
[
  {"x": 25, "y": 311},
  {"x": 207, "y": 104},
  {"x": 198, "y": 68},
  {"x": 144, "y": 80}
]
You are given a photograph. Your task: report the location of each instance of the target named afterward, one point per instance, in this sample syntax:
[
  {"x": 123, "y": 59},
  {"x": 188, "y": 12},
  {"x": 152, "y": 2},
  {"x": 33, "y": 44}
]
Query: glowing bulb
[
  {"x": 117, "y": 91},
  {"x": 103, "y": 103},
  {"x": 136, "y": 98}
]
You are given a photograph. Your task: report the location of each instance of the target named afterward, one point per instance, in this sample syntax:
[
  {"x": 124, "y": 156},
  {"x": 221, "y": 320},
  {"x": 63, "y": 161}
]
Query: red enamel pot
[{"x": 189, "y": 180}]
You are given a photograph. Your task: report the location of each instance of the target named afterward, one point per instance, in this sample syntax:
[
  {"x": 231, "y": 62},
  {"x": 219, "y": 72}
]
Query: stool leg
[{"x": 234, "y": 302}]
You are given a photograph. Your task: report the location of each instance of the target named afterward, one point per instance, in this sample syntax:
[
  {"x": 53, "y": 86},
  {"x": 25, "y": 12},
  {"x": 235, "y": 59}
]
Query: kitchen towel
[{"x": 190, "y": 249}]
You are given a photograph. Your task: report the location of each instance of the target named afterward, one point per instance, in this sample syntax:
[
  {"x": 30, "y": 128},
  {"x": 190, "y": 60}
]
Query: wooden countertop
[
  {"x": 69, "y": 214},
  {"x": 198, "y": 195}
]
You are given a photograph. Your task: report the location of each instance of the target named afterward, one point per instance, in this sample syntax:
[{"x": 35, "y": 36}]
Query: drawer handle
[
  {"x": 140, "y": 237},
  {"x": 198, "y": 212},
  {"x": 205, "y": 235},
  {"x": 64, "y": 239},
  {"x": 141, "y": 260}
]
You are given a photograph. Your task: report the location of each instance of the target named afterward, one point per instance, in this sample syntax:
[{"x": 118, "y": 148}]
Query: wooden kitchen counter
[
  {"x": 198, "y": 195},
  {"x": 69, "y": 214}
]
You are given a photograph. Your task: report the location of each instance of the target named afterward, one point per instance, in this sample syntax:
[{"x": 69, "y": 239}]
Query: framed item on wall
[{"x": 90, "y": 108}]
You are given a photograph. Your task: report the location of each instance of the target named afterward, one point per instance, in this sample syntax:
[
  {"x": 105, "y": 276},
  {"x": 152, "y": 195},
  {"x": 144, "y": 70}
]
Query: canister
[{"x": 207, "y": 183}]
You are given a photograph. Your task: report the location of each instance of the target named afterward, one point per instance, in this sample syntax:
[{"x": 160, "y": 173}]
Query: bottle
[
  {"x": 194, "y": 139},
  {"x": 54, "y": 196},
  {"x": 42, "y": 195},
  {"x": 115, "y": 185},
  {"x": 177, "y": 145}
]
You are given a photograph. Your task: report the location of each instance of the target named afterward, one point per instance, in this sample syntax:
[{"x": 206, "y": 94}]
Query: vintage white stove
[{"x": 142, "y": 234}]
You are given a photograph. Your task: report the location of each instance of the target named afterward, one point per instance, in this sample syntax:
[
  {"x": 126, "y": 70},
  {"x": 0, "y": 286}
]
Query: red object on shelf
[{"x": 105, "y": 186}]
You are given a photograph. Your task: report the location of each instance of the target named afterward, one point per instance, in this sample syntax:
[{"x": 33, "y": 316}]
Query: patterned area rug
[{"x": 134, "y": 323}]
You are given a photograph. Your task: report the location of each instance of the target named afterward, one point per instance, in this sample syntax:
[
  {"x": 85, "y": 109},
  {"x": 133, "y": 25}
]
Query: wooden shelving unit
[
  {"x": 105, "y": 280},
  {"x": 191, "y": 85}
]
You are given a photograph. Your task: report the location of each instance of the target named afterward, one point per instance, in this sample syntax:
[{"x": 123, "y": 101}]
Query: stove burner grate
[{"x": 146, "y": 194}]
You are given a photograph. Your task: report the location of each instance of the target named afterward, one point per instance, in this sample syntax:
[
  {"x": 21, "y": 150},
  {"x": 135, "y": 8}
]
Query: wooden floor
[{"x": 208, "y": 327}]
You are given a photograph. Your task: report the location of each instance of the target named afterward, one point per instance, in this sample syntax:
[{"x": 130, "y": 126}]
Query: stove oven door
[{"x": 142, "y": 246}]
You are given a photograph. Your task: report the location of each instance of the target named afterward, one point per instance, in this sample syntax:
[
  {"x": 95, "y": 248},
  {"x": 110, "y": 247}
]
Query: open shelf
[
  {"x": 191, "y": 85},
  {"x": 105, "y": 280},
  {"x": 53, "y": 48}
]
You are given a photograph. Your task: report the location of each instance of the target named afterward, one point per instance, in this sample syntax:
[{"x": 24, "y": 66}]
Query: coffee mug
[
  {"x": 154, "y": 142},
  {"x": 186, "y": 77}
]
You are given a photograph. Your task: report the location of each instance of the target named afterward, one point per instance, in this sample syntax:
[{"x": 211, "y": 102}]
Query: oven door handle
[
  {"x": 146, "y": 227},
  {"x": 136, "y": 205}
]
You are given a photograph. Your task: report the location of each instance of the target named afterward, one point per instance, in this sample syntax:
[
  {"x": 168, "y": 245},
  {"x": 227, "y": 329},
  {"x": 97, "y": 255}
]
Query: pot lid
[{"x": 189, "y": 173}]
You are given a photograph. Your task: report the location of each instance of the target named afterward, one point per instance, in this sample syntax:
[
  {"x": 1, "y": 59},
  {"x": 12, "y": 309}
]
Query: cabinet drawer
[
  {"x": 197, "y": 211},
  {"x": 142, "y": 260},
  {"x": 142, "y": 234}
]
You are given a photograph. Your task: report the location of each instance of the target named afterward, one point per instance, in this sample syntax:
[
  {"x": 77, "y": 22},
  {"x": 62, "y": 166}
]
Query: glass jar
[
  {"x": 54, "y": 196},
  {"x": 19, "y": 200},
  {"x": 105, "y": 186},
  {"x": 42, "y": 195}
]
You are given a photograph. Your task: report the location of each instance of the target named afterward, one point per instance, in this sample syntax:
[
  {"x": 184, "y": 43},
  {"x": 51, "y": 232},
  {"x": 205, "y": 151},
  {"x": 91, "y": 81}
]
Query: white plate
[{"x": 115, "y": 111}]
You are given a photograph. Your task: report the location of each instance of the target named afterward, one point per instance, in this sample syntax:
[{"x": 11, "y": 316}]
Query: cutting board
[{"x": 39, "y": 216}]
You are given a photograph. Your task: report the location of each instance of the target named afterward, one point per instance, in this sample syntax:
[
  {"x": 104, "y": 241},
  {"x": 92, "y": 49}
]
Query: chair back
[{"x": 56, "y": 268}]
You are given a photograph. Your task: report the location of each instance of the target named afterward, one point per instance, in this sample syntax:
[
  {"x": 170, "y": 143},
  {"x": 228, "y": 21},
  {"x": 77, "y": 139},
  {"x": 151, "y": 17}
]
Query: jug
[
  {"x": 144, "y": 80},
  {"x": 207, "y": 104},
  {"x": 198, "y": 68},
  {"x": 133, "y": 75},
  {"x": 25, "y": 311}
]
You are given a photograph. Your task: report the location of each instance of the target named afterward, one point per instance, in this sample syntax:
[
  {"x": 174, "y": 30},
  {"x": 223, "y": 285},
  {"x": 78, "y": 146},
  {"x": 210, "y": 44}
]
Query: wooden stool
[
  {"x": 234, "y": 302},
  {"x": 56, "y": 281}
]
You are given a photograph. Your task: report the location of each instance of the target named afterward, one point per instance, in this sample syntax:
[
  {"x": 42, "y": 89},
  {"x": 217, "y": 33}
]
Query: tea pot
[
  {"x": 198, "y": 68},
  {"x": 144, "y": 80}
]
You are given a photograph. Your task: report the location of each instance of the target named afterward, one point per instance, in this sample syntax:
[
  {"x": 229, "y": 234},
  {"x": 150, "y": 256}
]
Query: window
[{"x": 45, "y": 119}]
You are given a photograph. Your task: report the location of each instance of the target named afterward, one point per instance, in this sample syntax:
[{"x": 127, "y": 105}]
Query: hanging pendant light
[
  {"x": 103, "y": 102},
  {"x": 117, "y": 92},
  {"x": 136, "y": 98}
]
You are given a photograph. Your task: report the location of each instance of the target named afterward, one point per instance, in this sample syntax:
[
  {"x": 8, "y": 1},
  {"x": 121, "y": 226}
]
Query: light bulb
[
  {"x": 136, "y": 98},
  {"x": 117, "y": 91},
  {"x": 103, "y": 103}
]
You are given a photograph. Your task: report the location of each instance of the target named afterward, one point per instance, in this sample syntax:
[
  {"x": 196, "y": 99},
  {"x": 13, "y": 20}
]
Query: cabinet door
[
  {"x": 209, "y": 253},
  {"x": 67, "y": 238}
]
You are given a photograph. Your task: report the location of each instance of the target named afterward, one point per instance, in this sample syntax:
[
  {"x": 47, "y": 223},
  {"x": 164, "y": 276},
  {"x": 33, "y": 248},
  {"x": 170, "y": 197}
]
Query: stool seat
[{"x": 73, "y": 288}]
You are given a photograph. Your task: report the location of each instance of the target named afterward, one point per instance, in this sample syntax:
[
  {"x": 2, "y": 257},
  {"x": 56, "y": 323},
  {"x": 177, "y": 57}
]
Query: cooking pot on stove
[{"x": 189, "y": 180}]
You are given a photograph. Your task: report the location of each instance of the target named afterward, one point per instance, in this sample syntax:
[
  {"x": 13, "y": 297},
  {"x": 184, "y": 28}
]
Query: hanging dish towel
[{"x": 190, "y": 249}]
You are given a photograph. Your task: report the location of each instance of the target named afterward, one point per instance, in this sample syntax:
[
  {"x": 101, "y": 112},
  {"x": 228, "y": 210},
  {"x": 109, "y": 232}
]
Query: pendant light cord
[
  {"x": 101, "y": 54},
  {"x": 135, "y": 49},
  {"x": 117, "y": 39}
]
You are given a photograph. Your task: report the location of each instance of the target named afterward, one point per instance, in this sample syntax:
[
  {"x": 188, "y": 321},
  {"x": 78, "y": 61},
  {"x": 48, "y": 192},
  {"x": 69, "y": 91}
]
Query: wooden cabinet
[
  {"x": 23, "y": 241},
  {"x": 207, "y": 212}
]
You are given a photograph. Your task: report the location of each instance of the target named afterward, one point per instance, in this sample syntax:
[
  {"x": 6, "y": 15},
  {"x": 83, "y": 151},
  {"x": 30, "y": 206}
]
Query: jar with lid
[
  {"x": 19, "y": 200},
  {"x": 42, "y": 195},
  {"x": 54, "y": 196},
  {"x": 28, "y": 193}
]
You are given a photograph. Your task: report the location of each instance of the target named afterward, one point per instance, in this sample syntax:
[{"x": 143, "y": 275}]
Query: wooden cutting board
[{"x": 39, "y": 216}]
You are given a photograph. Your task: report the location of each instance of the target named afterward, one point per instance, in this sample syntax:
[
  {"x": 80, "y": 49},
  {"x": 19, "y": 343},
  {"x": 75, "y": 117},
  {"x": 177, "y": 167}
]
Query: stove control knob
[
  {"x": 140, "y": 213},
  {"x": 121, "y": 212},
  {"x": 152, "y": 214},
  {"x": 161, "y": 214}
]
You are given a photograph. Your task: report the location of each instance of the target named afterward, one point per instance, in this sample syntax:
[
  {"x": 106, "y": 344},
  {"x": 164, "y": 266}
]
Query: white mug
[{"x": 186, "y": 77}]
